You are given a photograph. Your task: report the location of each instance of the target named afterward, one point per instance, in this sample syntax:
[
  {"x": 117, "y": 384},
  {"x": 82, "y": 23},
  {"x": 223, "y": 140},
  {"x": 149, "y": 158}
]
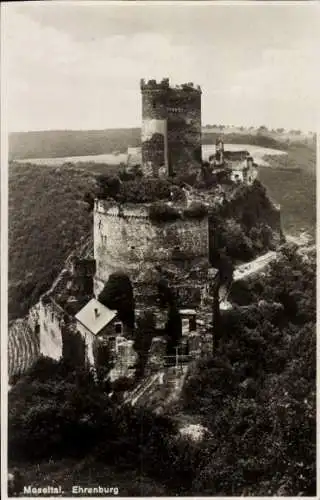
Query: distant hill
[
  {"x": 61, "y": 143},
  {"x": 57, "y": 143}
]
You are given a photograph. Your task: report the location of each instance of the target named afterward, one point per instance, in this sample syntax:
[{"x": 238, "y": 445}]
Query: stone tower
[
  {"x": 127, "y": 239},
  {"x": 171, "y": 128}
]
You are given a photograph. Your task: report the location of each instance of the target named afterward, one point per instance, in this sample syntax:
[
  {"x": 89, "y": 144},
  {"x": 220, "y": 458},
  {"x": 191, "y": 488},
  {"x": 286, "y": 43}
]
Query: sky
[{"x": 78, "y": 65}]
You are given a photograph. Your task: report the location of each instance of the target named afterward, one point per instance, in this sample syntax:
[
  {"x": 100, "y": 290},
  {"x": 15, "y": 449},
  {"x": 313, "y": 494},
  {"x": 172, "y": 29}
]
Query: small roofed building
[
  {"x": 226, "y": 158},
  {"x": 244, "y": 172},
  {"x": 94, "y": 322}
]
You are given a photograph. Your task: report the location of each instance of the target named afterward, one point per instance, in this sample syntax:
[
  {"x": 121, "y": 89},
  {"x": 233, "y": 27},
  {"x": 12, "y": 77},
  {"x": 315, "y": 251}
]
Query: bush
[
  {"x": 107, "y": 186},
  {"x": 259, "y": 390},
  {"x": 196, "y": 211},
  {"x": 54, "y": 414},
  {"x": 161, "y": 212}
]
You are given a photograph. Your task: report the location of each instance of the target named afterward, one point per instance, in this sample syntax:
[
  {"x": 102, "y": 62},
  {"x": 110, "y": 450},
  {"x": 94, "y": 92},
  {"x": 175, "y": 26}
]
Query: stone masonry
[{"x": 171, "y": 127}]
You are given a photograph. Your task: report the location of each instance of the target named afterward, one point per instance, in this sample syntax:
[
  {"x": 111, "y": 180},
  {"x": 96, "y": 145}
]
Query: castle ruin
[{"x": 126, "y": 239}]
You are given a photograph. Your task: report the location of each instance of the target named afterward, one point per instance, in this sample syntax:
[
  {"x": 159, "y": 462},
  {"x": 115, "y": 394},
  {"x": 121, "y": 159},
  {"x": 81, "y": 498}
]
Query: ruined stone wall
[
  {"x": 127, "y": 240},
  {"x": 171, "y": 127},
  {"x": 50, "y": 319}
]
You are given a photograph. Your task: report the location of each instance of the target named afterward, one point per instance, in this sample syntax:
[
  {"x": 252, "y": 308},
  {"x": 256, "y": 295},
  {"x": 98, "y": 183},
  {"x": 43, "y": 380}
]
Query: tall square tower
[{"x": 171, "y": 128}]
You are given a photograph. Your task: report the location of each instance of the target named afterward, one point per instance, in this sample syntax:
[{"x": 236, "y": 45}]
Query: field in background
[
  {"x": 66, "y": 143},
  {"x": 258, "y": 152}
]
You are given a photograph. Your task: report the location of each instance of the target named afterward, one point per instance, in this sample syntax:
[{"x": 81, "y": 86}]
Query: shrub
[
  {"x": 196, "y": 211},
  {"x": 183, "y": 179},
  {"x": 161, "y": 212},
  {"x": 107, "y": 186}
]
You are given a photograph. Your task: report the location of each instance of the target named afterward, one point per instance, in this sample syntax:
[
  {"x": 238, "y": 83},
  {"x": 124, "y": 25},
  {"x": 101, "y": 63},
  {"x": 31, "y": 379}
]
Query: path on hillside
[{"x": 243, "y": 271}]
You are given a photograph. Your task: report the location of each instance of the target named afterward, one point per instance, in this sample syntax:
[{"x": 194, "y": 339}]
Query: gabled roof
[{"x": 95, "y": 316}]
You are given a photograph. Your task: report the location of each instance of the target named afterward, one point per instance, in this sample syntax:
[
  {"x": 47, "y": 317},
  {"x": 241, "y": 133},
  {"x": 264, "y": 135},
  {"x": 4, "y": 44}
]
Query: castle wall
[
  {"x": 130, "y": 242},
  {"x": 50, "y": 330},
  {"x": 171, "y": 127}
]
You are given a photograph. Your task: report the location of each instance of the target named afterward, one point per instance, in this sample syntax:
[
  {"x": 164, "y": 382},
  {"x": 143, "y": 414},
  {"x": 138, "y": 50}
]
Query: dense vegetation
[
  {"x": 259, "y": 390},
  {"x": 246, "y": 225},
  {"x": 137, "y": 189},
  {"x": 47, "y": 216},
  {"x": 55, "y": 412},
  {"x": 256, "y": 396}
]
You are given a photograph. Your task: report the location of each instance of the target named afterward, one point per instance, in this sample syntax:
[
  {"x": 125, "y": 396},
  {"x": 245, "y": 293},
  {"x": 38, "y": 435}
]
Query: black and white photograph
[{"x": 158, "y": 248}]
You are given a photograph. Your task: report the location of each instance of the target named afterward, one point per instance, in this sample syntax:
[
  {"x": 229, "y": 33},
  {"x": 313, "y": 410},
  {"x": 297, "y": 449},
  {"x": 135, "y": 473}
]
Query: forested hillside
[
  {"x": 47, "y": 216},
  {"x": 258, "y": 393}
]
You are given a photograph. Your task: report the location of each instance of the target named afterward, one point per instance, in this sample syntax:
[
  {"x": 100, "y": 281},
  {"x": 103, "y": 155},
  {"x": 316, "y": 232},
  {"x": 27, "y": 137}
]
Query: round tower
[{"x": 128, "y": 239}]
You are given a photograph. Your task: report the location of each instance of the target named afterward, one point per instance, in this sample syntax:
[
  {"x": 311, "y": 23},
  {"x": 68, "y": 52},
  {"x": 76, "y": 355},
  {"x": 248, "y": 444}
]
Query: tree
[
  {"x": 89, "y": 199},
  {"x": 107, "y": 186},
  {"x": 262, "y": 394},
  {"x": 103, "y": 361},
  {"x": 262, "y": 129}
]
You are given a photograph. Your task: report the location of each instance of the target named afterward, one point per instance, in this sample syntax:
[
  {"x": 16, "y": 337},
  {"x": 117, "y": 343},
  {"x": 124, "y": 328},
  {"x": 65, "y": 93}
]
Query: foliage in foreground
[
  {"x": 256, "y": 396},
  {"x": 55, "y": 413},
  {"x": 259, "y": 391}
]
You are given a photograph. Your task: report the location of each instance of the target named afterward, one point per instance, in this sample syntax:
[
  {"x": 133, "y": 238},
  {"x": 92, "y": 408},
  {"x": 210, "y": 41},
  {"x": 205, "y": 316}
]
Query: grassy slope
[{"x": 295, "y": 191}]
